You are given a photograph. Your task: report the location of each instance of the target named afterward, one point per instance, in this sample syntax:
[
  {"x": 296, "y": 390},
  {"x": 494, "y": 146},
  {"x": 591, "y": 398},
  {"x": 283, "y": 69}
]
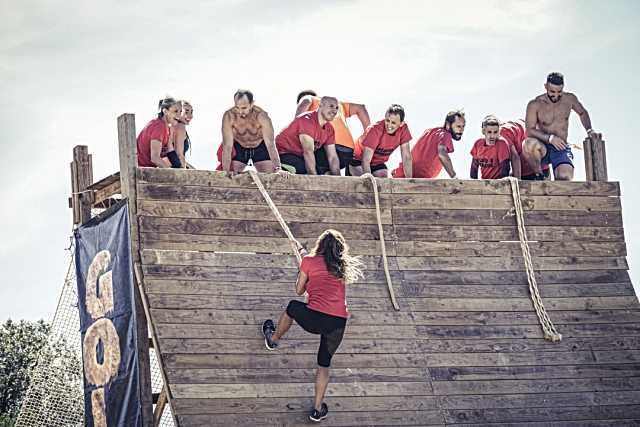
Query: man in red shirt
[
  {"x": 493, "y": 154},
  {"x": 299, "y": 143},
  {"x": 431, "y": 153},
  {"x": 515, "y": 133},
  {"x": 377, "y": 143}
]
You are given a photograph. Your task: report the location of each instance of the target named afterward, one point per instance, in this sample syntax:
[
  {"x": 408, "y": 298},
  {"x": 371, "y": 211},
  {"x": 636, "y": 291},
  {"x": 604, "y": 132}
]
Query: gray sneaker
[{"x": 268, "y": 328}]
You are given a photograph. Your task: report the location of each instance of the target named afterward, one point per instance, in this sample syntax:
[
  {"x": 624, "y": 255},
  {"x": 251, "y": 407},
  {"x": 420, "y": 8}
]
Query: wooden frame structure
[{"x": 465, "y": 348}]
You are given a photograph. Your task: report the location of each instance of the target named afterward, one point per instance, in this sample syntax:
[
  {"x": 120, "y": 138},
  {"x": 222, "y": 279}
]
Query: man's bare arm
[
  {"x": 227, "y": 142},
  {"x": 303, "y": 105},
  {"x": 407, "y": 159},
  {"x": 307, "y": 152},
  {"x": 363, "y": 115},
  {"x": 332, "y": 158},
  {"x": 267, "y": 136},
  {"x": 473, "y": 173},
  {"x": 445, "y": 160},
  {"x": 582, "y": 112},
  {"x": 367, "y": 155},
  {"x": 515, "y": 163}
]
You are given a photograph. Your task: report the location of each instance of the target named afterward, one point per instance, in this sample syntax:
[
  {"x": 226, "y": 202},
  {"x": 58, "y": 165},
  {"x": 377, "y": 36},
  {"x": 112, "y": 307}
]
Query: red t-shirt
[
  {"x": 491, "y": 158},
  {"x": 326, "y": 291},
  {"x": 288, "y": 141},
  {"x": 382, "y": 143},
  {"x": 515, "y": 133},
  {"x": 426, "y": 162},
  {"x": 156, "y": 129}
]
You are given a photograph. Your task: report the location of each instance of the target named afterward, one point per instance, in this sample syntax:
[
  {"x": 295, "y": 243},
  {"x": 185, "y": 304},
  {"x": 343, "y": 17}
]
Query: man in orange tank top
[
  {"x": 247, "y": 134},
  {"x": 309, "y": 101}
]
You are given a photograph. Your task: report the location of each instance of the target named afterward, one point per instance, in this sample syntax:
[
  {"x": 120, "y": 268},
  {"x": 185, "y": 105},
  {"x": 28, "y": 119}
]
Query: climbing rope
[
  {"x": 382, "y": 242},
  {"x": 294, "y": 243},
  {"x": 550, "y": 332}
]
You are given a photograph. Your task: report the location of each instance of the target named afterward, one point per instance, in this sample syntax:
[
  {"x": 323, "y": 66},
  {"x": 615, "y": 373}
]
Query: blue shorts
[{"x": 557, "y": 157}]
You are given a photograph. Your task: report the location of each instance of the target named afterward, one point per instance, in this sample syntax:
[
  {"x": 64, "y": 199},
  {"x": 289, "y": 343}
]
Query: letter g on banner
[{"x": 99, "y": 281}]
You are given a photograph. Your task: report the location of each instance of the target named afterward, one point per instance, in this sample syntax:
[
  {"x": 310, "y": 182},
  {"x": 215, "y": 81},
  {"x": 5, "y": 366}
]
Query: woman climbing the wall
[{"x": 324, "y": 274}]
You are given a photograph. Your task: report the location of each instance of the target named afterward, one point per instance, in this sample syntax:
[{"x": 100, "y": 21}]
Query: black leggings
[{"x": 330, "y": 328}]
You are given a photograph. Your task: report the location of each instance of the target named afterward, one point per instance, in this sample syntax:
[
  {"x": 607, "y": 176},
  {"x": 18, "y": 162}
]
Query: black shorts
[
  {"x": 322, "y": 164},
  {"x": 345, "y": 154},
  {"x": 258, "y": 154},
  {"x": 374, "y": 168},
  {"x": 330, "y": 328}
]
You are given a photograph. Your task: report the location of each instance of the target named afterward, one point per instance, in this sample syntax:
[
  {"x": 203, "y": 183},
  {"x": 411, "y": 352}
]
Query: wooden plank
[
  {"x": 539, "y": 400},
  {"x": 160, "y": 405},
  {"x": 359, "y": 346},
  {"x": 565, "y": 413},
  {"x": 286, "y": 404},
  {"x": 497, "y": 233},
  {"x": 359, "y": 418},
  {"x": 406, "y": 332},
  {"x": 270, "y": 181},
  {"x": 261, "y": 228},
  {"x": 382, "y": 304},
  {"x": 473, "y": 201},
  {"x": 103, "y": 194},
  {"x": 167, "y": 209},
  {"x": 426, "y": 216},
  {"x": 128, "y": 164},
  {"x": 404, "y": 289},
  {"x": 570, "y": 248},
  {"x": 350, "y": 184},
  {"x": 599, "y": 158},
  {"x": 282, "y": 360},
  {"x": 536, "y": 386},
  {"x": 442, "y": 318},
  {"x": 491, "y": 187},
  {"x": 272, "y": 275},
  {"x": 510, "y": 263},
  {"x": 237, "y": 390},
  {"x": 250, "y": 196},
  {"x": 463, "y": 373},
  {"x": 276, "y": 376},
  {"x": 234, "y": 260},
  {"x": 208, "y": 243}
]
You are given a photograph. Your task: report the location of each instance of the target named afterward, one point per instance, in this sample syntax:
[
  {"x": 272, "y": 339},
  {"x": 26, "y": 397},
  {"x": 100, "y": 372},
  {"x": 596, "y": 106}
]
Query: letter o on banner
[
  {"x": 98, "y": 276},
  {"x": 96, "y": 373}
]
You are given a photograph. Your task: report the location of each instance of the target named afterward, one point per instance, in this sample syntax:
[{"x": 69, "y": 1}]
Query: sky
[{"x": 69, "y": 68}]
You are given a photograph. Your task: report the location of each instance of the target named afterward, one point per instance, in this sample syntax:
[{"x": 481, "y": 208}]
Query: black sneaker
[
  {"x": 268, "y": 328},
  {"x": 317, "y": 416}
]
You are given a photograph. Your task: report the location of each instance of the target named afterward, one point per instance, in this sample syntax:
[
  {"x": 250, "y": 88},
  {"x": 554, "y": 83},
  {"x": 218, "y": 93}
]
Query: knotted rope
[{"x": 550, "y": 332}]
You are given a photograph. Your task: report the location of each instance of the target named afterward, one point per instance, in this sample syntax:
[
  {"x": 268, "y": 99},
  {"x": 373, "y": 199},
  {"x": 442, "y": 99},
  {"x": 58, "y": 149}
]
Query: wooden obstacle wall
[{"x": 465, "y": 348}]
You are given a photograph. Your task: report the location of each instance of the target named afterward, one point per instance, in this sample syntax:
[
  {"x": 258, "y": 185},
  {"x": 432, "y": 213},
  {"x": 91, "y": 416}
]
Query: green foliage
[{"x": 20, "y": 345}]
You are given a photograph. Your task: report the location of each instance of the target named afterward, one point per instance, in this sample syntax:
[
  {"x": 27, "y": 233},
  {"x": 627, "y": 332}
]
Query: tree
[{"x": 20, "y": 345}]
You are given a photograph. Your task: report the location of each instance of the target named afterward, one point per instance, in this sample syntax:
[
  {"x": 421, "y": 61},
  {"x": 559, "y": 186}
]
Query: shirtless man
[
  {"x": 547, "y": 123},
  {"x": 247, "y": 134}
]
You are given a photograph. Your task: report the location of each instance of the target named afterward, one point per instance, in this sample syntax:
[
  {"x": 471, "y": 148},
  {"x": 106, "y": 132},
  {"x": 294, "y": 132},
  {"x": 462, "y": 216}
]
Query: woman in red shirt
[
  {"x": 323, "y": 275},
  {"x": 154, "y": 146}
]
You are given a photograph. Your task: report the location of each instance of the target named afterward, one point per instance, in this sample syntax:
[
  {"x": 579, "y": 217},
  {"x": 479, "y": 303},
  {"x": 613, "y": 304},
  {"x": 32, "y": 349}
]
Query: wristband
[
  {"x": 550, "y": 138},
  {"x": 589, "y": 131}
]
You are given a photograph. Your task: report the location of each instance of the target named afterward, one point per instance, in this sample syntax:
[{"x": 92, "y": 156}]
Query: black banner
[{"x": 107, "y": 320}]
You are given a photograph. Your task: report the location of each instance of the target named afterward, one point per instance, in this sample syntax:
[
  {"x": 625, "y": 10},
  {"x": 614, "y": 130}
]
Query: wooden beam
[
  {"x": 128, "y": 165},
  {"x": 588, "y": 159},
  {"x": 599, "y": 158},
  {"x": 160, "y": 405},
  {"x": 81, "y": 179}
]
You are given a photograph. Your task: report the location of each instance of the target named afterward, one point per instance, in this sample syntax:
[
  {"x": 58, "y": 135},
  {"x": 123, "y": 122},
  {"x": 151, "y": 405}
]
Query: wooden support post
[
  {"x": 595, "y": 158},
  {"x": 81, "y": 179},
  {"x": 588, "y": 159},
  {"x": 160, "y": 405},
  {"x": 128, "y": 165},
  {"x": 599, "y": 158}
]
